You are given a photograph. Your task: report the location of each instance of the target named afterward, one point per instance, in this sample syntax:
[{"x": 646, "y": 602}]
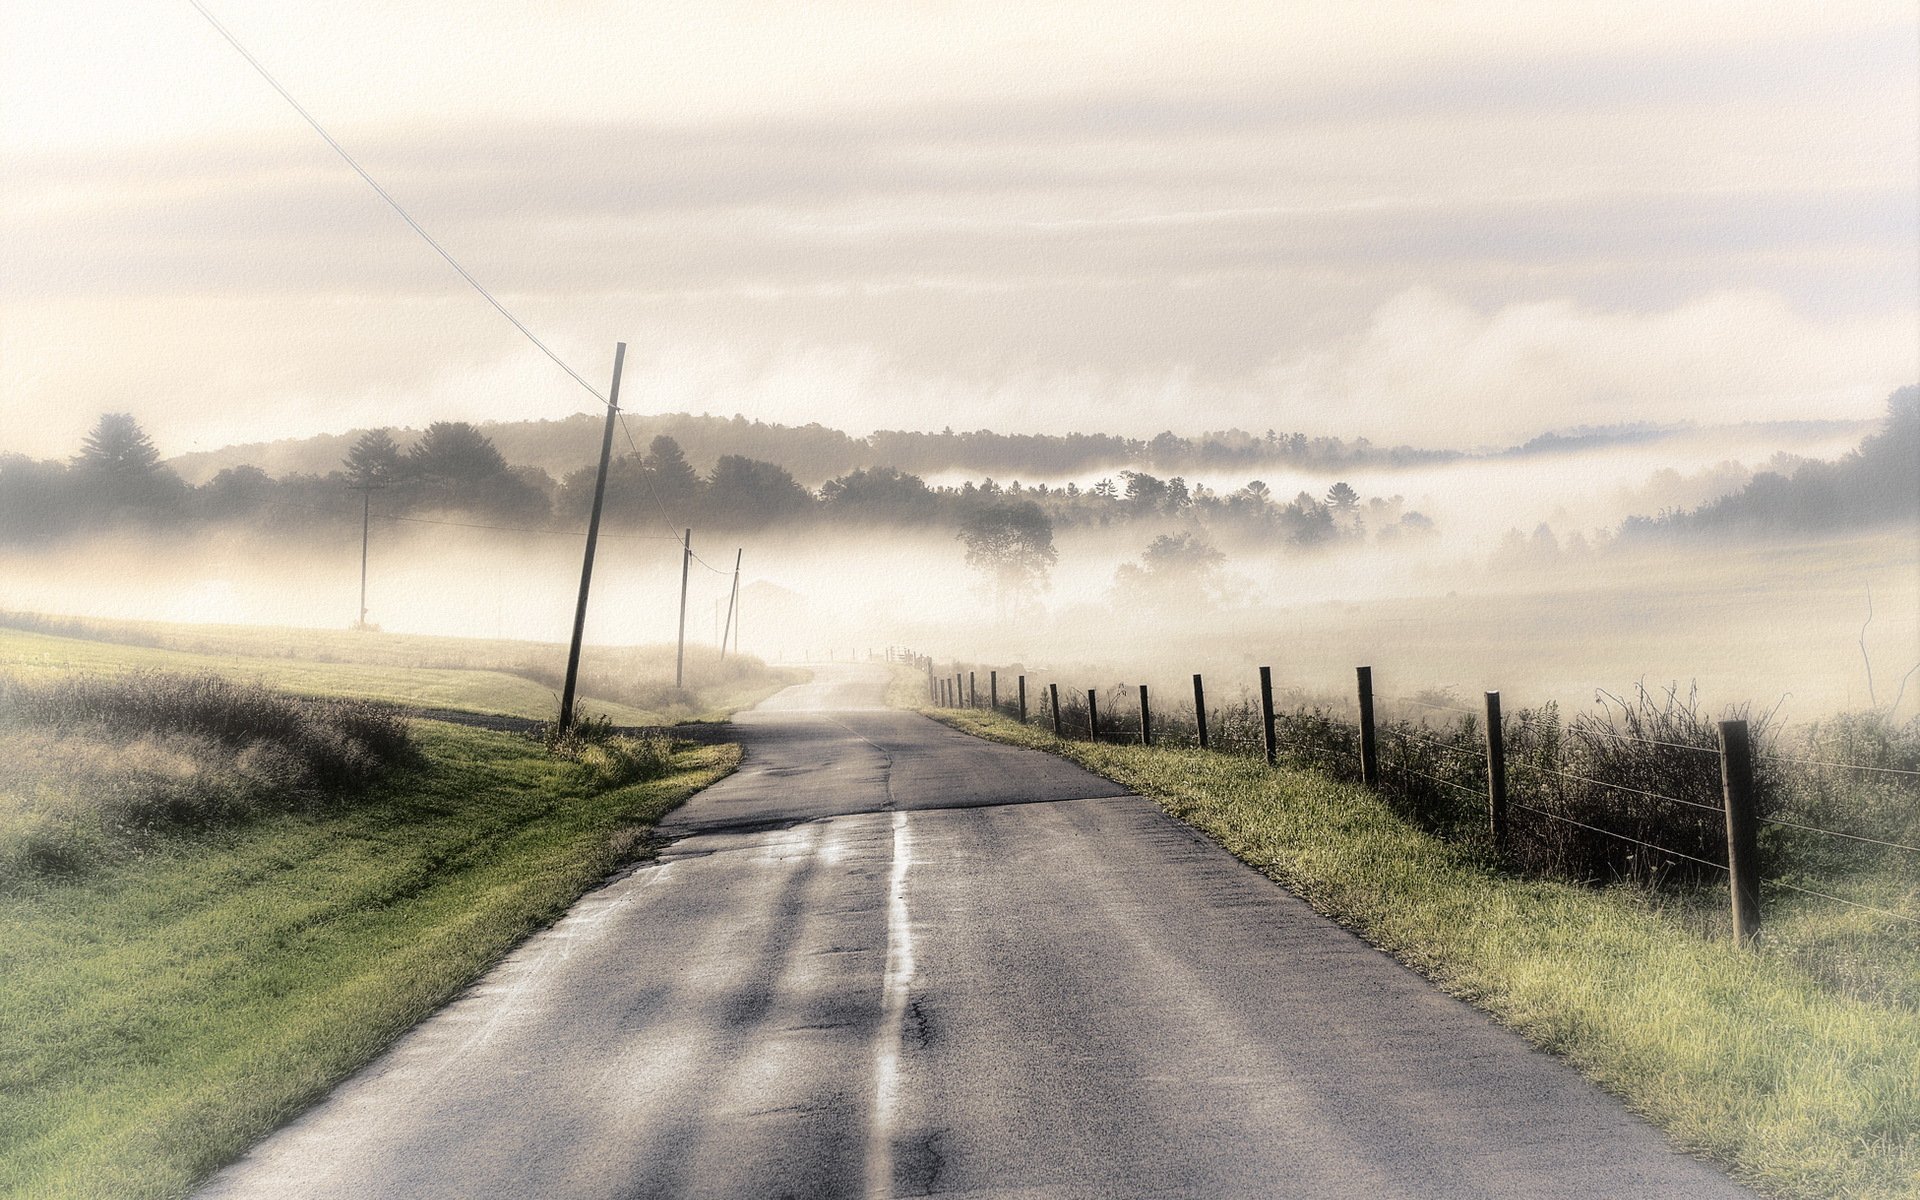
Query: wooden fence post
[
  {"x": 973, "y": 693},
  {"x": 1093, "y": 716},
  {"x": 1200, "y": 710},
  {"x": 993, "y": 690},
  {"x": 1266, "y": 714},
  {"x": 1369, "y": 753},
  {"x": 1023, "y": 699},
  {"x": 933, "y": 694},
  {"x": 1053, "y": 692},
  {"x": 1146, "y": 720},
  {"x": 1743, "y": 848},
  {"x": 1496, "y": 776}
]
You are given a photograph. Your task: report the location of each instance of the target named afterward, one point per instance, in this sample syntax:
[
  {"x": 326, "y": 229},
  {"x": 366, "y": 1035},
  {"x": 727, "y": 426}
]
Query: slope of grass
[
  {"x": 99, "y": 768},
  {"x": 1801, "y": 1088},
  {"x": 512, "y": 678},
  {"x": 162, "y": 1016}
]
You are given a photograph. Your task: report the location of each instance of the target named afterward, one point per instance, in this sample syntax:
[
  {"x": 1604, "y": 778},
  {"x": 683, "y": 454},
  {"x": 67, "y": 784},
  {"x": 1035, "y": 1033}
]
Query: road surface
[{"x": 885, "y": 958}]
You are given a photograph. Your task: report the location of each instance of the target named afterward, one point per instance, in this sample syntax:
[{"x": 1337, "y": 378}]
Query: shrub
[
  {"x": 102, "y": 766},
  {"x": 607, "y": 757}
]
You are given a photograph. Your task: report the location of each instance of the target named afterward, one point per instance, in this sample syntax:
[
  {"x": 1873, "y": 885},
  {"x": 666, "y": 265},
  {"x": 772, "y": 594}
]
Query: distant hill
[
  {"x": 815, "y": 453},
  {"x": 1877, "y": 483}
]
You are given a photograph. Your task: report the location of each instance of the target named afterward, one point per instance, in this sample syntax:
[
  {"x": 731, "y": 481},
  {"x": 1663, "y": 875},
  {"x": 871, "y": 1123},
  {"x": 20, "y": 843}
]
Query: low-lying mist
[{"x": 1484, "y": 599}]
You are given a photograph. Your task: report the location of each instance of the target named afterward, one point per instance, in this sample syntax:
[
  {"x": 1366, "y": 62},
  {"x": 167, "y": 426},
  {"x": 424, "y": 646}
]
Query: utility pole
[
  {"x": 733, "y": 597},
  {"x": 366, "y": 491},
  {"x": 686, "y": 562},
  {"x": 593, "y": 538}
]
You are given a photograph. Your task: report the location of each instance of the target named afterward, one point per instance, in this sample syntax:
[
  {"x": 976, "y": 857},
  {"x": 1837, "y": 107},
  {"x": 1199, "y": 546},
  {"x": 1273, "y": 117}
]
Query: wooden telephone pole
[
  {"x": 733, "y": 598},
  {"x": 680, "y": 659},
  {"x": 593, "y": 538},
  {"x": 366, "y": 491}
]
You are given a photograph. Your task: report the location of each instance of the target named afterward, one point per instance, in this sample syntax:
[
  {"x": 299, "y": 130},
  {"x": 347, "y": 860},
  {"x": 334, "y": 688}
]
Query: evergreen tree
[
  {"x": 672, "y": 477},
  {"x": 119, "y": 448},
  {"x": 373, "y": 460}
]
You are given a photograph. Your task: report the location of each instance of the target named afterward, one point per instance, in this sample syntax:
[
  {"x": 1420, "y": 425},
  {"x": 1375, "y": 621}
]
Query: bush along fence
[{"x": 1646, "y": 790}]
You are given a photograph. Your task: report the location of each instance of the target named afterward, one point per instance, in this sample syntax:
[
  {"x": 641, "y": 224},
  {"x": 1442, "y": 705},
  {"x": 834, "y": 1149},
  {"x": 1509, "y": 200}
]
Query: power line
[{"x": 395, "y": 204}]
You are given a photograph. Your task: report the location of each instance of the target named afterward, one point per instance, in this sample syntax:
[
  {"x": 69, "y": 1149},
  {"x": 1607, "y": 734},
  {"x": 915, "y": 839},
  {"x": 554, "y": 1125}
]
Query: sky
[{"x": 1444, "y": 223}]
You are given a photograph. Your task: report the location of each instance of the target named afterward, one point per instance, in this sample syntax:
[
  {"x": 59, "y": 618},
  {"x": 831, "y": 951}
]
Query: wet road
[{"x": 885, "y": 958}]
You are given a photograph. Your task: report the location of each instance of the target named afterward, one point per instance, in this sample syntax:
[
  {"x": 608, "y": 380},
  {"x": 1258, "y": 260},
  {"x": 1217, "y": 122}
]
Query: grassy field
[
  {"x": 1759, "y": 1058},
  {"x": 630, "y": 685},
  {"x": 162, "y": 1015}
]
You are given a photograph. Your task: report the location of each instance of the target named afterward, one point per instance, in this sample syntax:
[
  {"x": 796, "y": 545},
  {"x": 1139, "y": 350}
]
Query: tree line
[
  {"x": 454, "y": 468},
  {"x": 814, "y": 453}
]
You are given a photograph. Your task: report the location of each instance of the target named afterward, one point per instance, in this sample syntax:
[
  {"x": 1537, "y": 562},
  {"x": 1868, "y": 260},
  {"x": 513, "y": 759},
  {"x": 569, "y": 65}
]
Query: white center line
[{"x": 893, "y": 1018}]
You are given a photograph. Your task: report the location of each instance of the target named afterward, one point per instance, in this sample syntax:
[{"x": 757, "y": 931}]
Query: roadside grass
[
  {"x": 162, "y": 1016},
  {"x": 1755, "y": 1058},
  {"x": 629, "y": 685},
  {"x": 100, "y": 768}
]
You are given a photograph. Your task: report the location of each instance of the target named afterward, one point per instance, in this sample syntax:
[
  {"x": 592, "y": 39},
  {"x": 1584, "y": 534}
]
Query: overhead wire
[
  {"x": 484, "y": 292},
  {"x": 394, "y": 204}
]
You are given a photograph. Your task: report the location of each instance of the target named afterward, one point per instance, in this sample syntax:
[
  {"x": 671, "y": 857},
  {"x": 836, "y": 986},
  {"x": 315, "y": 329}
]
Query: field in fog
[{"x": 1762, "y": 622}]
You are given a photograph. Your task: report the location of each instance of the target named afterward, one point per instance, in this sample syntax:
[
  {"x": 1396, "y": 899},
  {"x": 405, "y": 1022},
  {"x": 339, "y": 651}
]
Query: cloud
[{"x": 1431, "y": 368}]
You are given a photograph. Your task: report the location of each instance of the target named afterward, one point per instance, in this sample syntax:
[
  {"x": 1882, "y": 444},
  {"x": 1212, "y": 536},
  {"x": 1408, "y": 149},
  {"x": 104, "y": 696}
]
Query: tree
[
  {"x": 1144, "y": 491},
  {"x": 880, "y": 493},
  {"x": 1011, "y": 544},
  {"x": 236, "y": 492},
  {"x": 119, "y": 448},
  {"x": 373, "y": 460},
  {"x": 674, "y": 481},
  {"x": 454, "y": 452},
  {"x": 746, "y": 493},
  {"x": 1342, "y": 499},
  {"x": 455, "y": 466},
  {"x": 1173, "y": 570},
  {"x": 118, "y": 473}
]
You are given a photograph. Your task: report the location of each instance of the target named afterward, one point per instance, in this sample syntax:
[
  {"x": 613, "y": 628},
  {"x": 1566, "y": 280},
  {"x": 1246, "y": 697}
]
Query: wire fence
[{"x": 1637, "y": 793}]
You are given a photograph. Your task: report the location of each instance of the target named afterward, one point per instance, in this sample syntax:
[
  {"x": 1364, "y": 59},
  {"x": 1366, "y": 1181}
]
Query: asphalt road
[{"x": 885, "y": 958}]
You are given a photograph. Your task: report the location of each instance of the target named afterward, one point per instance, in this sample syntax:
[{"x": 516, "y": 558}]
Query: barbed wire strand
[
  {"x": 1814, "y": 762},
  {"x": 1852, "y": 837},
  {"x": 1618, "y": 787},
  {"x": 1610, "y": 833},
  {"x": 1436, "y": 744},
  {"x": 1452, "y": 708},
  {"x": 1458, "y": 787},
  {"x": 1841, "y": 900}
]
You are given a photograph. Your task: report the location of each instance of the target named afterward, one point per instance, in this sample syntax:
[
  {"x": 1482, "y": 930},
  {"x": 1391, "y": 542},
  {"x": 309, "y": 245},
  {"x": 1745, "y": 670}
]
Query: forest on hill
[
  {"x": 463, "y": 473},
  {"x": 814, "y": 453}
]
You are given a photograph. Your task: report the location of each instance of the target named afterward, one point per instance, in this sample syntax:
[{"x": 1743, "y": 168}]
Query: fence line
[{"x": 1317, "y": 722}]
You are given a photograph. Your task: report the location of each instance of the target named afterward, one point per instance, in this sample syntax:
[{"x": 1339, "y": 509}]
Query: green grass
[
  {"x": 161, "y": 1017},
  {"x": 1799, "y": 1086},
  {"x": 512, "y": 678}
]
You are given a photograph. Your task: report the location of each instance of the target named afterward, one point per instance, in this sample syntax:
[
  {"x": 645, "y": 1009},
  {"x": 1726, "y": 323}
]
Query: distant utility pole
[
  {"x": 366, "y": 491},
  {"x": 686, "y": 562},
  {"x": 593, "y": 538},
  {"x": 733, "y": 598}
]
